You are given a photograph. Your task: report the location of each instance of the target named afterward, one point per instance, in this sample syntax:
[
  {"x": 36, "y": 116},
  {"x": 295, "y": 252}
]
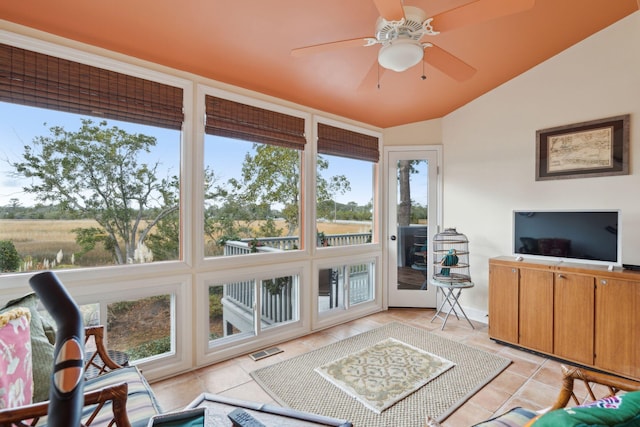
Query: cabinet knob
[
  {"x": 513, "y": 270},
  {"x": 561, "y": 276},
  {"x": 603, "y": 282}
]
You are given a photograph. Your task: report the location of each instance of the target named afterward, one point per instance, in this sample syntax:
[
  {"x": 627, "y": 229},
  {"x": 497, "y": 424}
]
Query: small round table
[{"x": 450, "y": 292}]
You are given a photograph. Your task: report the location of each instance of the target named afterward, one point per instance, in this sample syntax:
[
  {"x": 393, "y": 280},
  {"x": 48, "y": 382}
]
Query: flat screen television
[{"x": 566, "y": 235}]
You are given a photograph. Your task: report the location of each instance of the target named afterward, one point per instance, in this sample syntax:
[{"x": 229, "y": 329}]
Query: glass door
[{"x": 412, "y": 222}]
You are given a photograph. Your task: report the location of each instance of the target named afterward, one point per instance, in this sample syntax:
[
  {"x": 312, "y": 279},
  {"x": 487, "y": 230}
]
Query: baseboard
[{"x": 476, "y": 315}]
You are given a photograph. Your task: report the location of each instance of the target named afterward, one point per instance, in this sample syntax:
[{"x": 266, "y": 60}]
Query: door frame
[{"x": 388, "y": 265}]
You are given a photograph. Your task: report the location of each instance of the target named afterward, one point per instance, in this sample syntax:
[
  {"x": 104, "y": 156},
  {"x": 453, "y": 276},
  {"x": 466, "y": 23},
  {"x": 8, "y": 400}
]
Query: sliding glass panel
[
  {"x": 344, "y": 286},
  {"x": 140, "y": 328},
  {"x": 280, "y": 301},
  {"x": 231, "y": 310},
  {"x": 330, "y": 295},
  {"x": 361, "y": 283}
]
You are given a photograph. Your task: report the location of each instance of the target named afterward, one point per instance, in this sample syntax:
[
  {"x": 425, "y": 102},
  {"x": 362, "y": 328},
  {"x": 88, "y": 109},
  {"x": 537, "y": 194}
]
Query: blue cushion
[{"x": 141, "y": 402}]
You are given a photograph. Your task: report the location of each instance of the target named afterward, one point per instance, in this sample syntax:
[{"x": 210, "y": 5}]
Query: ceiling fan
[{"x": 400, "y": 30}]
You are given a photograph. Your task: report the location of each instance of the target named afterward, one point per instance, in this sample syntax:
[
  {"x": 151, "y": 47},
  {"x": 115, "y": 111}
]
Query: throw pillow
[
  {"x": 16, "y": 381},
  {"x": 49, "y": 329},
  {"x": 614, "y": 411},
  {"x": 41, "y": 349}
]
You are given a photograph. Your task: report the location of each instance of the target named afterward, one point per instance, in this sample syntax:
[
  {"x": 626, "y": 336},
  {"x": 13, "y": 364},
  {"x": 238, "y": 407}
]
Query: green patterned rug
[
  {"x": 384, "y": 373},
  {"x": 295, "y": 383}
]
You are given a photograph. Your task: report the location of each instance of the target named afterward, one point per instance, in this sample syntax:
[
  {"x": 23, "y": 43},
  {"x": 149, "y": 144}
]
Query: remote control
[{"x": 241, "y": 418}]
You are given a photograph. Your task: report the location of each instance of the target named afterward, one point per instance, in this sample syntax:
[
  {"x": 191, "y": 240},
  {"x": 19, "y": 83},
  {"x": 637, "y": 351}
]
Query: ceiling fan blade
[
  {"x": 325, "y": 47},
  {"x": 447, "y": 63},
  {"x": 478, "y": 11},
  {"x": 391, "y": 10},
  {"x": 373, "y": 78}
]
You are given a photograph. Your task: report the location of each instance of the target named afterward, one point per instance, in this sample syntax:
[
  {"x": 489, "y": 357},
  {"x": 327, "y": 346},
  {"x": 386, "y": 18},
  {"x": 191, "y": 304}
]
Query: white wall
[
  {"x": 428, "y": 132},
  {"x": 490, "y": 145}
]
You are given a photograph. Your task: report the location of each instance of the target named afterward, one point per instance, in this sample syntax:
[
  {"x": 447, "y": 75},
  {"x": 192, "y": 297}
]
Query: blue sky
[{"x": 20, "y": 124}]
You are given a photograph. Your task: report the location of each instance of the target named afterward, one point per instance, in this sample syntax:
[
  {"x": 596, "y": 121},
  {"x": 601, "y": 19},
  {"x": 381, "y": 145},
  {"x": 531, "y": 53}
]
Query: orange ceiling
[{"x": 248, "y": 43}]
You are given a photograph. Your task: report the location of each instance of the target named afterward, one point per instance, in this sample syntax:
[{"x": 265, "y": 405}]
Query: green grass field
[{"x": 43, "y": 239}]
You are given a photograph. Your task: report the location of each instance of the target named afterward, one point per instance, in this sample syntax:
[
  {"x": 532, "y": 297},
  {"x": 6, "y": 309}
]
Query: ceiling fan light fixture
[{"x": 400, "y": 54}]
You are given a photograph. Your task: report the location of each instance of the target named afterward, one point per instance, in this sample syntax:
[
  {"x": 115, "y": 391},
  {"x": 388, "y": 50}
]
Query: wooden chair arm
[
  {"x": 590, "y": 379},
  {"x": 30, "y": 415},
  {"x": 99, "y": 360}
]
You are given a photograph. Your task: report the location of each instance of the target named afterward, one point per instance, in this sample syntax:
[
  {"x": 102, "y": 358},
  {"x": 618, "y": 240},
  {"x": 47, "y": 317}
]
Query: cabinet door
[
  {"x": 536, "y": 309},
  {"x": 573, "y": 318},
  {"x": 617, "y": 324},
  {"x": 503, "y": 303}
]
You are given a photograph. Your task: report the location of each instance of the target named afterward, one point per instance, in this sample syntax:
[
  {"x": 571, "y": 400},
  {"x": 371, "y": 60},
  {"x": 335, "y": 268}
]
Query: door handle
[{"x": 392, "y": 237}]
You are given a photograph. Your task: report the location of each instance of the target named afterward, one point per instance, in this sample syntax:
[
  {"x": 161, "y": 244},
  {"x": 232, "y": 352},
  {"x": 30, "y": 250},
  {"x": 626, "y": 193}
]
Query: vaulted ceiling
[{"x": 248, "y": 43}]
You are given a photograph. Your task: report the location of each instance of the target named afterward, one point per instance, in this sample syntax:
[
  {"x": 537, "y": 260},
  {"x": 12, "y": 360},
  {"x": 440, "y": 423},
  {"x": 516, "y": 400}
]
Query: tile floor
[{"x": 530, "y": 381}]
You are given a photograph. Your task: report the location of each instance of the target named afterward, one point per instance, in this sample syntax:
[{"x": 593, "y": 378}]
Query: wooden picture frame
[{"x": 587, "y": 149}]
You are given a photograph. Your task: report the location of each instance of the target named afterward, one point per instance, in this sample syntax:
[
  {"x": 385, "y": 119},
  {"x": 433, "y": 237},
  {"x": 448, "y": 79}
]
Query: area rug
[
  {"x": 385, "y": 373},
  {"x": 295, "y": 383}
]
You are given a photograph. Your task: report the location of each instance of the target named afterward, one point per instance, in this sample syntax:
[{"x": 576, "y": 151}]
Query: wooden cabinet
[
  {"x": 536, "y": 309},
  {"x": 573, "y": 317},
  {"x": 580, "y": 313},
  {"x": 503, "y": 303},
  {"x": 617, "y": 345}
]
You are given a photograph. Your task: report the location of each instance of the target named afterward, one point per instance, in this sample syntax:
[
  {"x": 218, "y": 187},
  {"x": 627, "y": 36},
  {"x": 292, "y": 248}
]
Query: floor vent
[{"x": 265, "y": 353}]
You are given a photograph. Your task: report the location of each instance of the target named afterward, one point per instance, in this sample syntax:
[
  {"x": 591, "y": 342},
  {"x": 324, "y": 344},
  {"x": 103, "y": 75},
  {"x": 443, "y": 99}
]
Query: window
[
  {"x": 233, "y": 306},
  {"x": 231, "y": 310},
  {"x": 252, "y": 179},
  {"x": 279, "y": 301},
  {"x": 141, "y": 328},
  {"x": 92, "y": 170},
  {"x": 343, "y": 286},
  {"x": 345, "y": 177}
]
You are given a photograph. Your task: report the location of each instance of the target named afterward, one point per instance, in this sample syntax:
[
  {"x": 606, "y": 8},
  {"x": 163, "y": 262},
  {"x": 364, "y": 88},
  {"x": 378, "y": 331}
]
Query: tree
[
  {"x": 95, "y": 173},
  {"x": 404, "y": 181},
  {"x": 225, "y": 216},
  {"x": 164, "y": 242},
  {"x": 405, "y": 169},
  {"x": 9, "y": 257},
  {"x": 327, "y": 189},
  {"x": 272, "y": 176},
  {"x": 14, "y": 205}
]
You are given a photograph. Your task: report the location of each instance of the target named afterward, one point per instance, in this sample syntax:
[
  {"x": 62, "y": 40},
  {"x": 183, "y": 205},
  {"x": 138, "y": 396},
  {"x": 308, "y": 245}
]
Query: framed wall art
[{"x": 580, "y": 150}]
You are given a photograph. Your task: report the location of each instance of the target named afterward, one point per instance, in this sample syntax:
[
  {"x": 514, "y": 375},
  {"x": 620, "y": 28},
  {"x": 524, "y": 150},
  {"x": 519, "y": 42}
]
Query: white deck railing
[
  {"x": 275, "y": 244},
  {"x": 281, "y": 305},
  {"x": 276, "y": 306}
]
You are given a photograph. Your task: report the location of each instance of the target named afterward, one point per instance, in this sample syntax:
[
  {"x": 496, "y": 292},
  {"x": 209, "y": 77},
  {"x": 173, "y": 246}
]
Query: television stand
[{"x": 575, "y": 312}]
